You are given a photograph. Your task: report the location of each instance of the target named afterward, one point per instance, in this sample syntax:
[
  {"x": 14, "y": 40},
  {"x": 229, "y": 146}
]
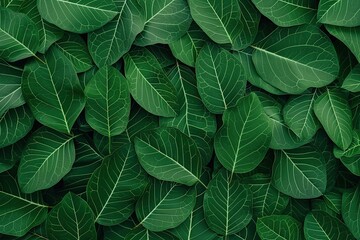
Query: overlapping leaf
[
  {"x": 339, "y": 13},
  {"x": 352, "y": 81},
  {"x": 350, "y": 211},
  {"x": 279, "y": 227}
]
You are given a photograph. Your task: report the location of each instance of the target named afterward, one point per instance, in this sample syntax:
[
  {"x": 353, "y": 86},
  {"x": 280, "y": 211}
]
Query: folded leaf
[{"x": 339, "y": 13}]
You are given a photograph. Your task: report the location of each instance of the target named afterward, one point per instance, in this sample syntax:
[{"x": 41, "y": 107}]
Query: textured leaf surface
[
  {"x": 279, "y": 227},
  {"x": 339, "y": 13},
  {"x": 141, "y": 233},
  {"x": 351, "y": 156},
  {"x": 350, "y": 211},
  {"x": 10, "y": 155},
  {"x": 352, "y": 81}
]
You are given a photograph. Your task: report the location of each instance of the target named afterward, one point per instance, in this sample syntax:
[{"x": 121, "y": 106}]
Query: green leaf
[
  {"x": 165, "y": 21},
  {"x": 165, "y": 205},
  {"x": 334, "y": 114},
  {"x": 141, "y": 233},
  {"x": 19, "y": 212},
  {"x": 114, "y": 187},
  {"x": 320, "y": 205},
  {"x": 119, "y": 232},
  {"x": 227, "y": 204},
  {"x": 10, "y": 155},
  {"x": 110, "y": 42},
  {"x": 46, "y": 159},
  {"x": 244, "y": 138},
  {"x": 149, "y": 85},
  {"x": 339, "y": 13},
  {"x": 248, "y": 233},
  {"x": 279, "y": 227},
  {"x": 15, "y": 124},
  {"x": 107, "y": 107},
  {"x": 71, "y": 219},
  {"x": 353, "y": 150},
  {"x": 193, "y": 119},
  {"x": 79, "y": 16},
  {"x": 320, "y": 225},
  {"x": 169, "y": 155},
  {"x": 65, "y": 100},
  {"x": 350, "y": 210},
  {"x": 299, "y": 173},
  {"x": 277, "y": 61},
  {"x": 298, "y": 208},
  {"x": 19, "y": 36},
  {"x": 221, "y": 80},
  {"x": 287, "y": 13},
  {"x": 333, "y": 201},
  {"x": 352, "y": 81}
]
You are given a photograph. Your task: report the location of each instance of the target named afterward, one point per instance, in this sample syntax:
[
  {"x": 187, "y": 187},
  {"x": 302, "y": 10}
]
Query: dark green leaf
[
  {"x": 352, "y": 81},
  {"x": 339, "y": 13},
  {"x": 350, "y": 209},
  {"x": 279, "y": 227}
]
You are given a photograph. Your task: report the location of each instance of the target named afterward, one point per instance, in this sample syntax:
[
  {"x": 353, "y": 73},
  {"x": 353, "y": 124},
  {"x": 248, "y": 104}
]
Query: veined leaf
[
  {"x": 279, "y": 227},
  {"x": 141, "y": 233},
  {"x": 165, "y": 21},
  {"x": 64, "y": 99},
  {"x": 107, "y": 107},
  {"x": 298, "y": 208},
  {"x": 350, "y": 211},
  {"x": 11, "y": 4},
  {"x": 221, "y": 80},
  {"x": 79, "y": 16},
  {"x": 119, "y": 231},
  {"x": 10, "y": 155},
  {"x": 320, "y": 205},
  {"x": 46, "y": 159},
  {"x": 71, "y": 219},
  {"x": 170, "y": 155},
  {"x": 114, "y": 187},
  {"x": 19, "y": 36},
  {"x": 339, "y": 13},
  {"x": 243, "y": 140},
  {"x": 352, "y": 81},
  {"x": 277, "y": 59},
  {"x": 333, "y": 201},
  {"x": 248, "y": 233},
  {"x": 165, "y": 205},
  {"x": 163, "y": 55}
]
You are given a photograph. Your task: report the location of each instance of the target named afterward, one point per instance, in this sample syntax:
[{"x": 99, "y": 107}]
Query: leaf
[
  {"x": 248, "y": 233},
  {"x": 352, "y": 81},
  {"x": 333, "y": 201},
  {"x": 299, "y": 173},
  {"x": 221, "y": 80},
  {"x": 140, "y": 233},
  {"x": 339, "y": 13},
  {"x": 149, "y": 85},
  {"x": 79, "y": 16},
  {"x": 277, "y": 61},
  {"x": 168, "y": 154},
  {"x": 72, "y": 218},
  {"x": 107, "y": 107},
  {"x": 279, "y": 227},
  {"x": 10, "y": 155},
  {"x": 119, "y": 231},
  {"x": 46, "y": 159},
  {"x": 15, "y": 124},
  {"x": 244, "y": 138},
  {"x": 193, "y": 119},
  {"x": 227, "y": 204},
  {"x": 334, "y": 114},
  {"x": 320, "y": 205},
  {"x": 19, "y": 212},
  {"x": 110, "y": 42},
  {"x": 287, "y": 13},
  {"x": 114, "y": 187},
  {"x": 65, "y": 100},
  {"x": 298, "y": 208},
  {"x": 18, "y": 34},
  {"x": 165, "y": 21},
  {"x": 165, "y": 205},
  {"x": 350, "y": 210},
  {"x": 163, "y": 55},
  {"x": 320, "y": 225}
]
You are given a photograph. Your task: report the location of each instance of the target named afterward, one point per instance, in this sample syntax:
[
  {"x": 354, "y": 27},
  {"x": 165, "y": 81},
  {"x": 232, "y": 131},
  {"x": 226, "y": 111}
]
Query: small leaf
[
  {"x": 279, "y": 227},
  {"x": 351, "y": 210},
  {"x": 352, "y": 81},
  {"x": 339, "y": 13}
]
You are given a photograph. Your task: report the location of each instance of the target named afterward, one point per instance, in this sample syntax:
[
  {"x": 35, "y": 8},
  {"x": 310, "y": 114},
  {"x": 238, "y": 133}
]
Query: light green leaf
[
  {"x": 46, "y": 159},
  {"x": 165, "y": 21},
  {"x": 339, "y": 13},
  {"x": 352, "y": 81},
  {"x": 287, "y": 13},
  {"x": 277, "y": 61},
  {"x": 114, "y": 187},
  {"x": 149, "y": 85},
  {"x": 221, "y": 79},
  {"x": 79, "y": 16},
  {"x": 65, "y": 100},
  {"x": 110, "y": 42},
  {"x": 279, "y": 227},
  {"x": 141, "y": 233},
  {"x": 334, "y": 114},
  {"x": 168, "y": 154},
  {"x": 19, "y": 36},
  {"x": 165, "y": 205},
  {"x": 351, "y": 209},
  {"x": 107, "y": 107},
  {"x": 71, "y": 219},
  {"x": 244, "y": 138},
  {"x": 299, "y": 173}
]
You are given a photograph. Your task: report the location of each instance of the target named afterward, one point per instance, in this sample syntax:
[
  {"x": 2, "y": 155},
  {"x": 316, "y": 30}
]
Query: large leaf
[
  {"x": 170, "y": 155},
  {"x": 279, "y": 227},
  {"x": 110, "y": 42},
  {"x": 277, "y": 59},
  {"x": 79, "y": 16},
  {"x": 165, "y": 21},
  {"x": 352, "y": 81},
  {"x": 71, "y": 219},
  {"x": 19, "y": 212},
  {"x": 64, "y": 101},
  {"x": 227, "y": 204},
  {"x": 158, "y": 208},
  {"x": 350, "y": 211},
  {"x": 19, "y": 36},
  {"x": 244, "y": 138},
  {"x": 221, "y": 79},
  {"x": 149, "y": 85},
  {"x": 300, "y": 173},
  {"x": 46, "y": 159},
  {"x": 114, "y": 187},
  {"x": 334, "y": 114},
  {"x": 107, "y": 107},
  {"x": 339, "y": 13}
]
